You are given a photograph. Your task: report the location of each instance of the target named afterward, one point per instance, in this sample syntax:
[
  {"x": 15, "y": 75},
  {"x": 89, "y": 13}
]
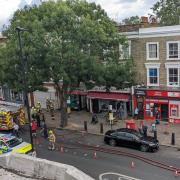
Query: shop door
[
  {"x": 141, "y": 111},
  {"x": 95, "y": 106},
  {"x": 164, "y": 111}
]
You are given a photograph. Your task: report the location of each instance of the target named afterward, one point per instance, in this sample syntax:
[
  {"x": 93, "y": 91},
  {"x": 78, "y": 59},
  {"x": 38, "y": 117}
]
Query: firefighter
[
  {"x": 52, "y": 140},
  {"x": 48, "y": 104}
]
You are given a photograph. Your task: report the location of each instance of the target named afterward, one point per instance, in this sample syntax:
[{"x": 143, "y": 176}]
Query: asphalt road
[{"x": 106, "y": 166}]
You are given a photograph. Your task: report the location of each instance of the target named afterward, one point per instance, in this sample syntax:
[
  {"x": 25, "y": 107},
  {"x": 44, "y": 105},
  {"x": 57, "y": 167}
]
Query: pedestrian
[
  {"x": 16, "y": 129},
  {"x": 136, "y": 112},
  {"x": 52, "y": 140},
  {"x": 44, "y": 130},
  {"x": 140, "y": 127},
  {"x": 33, "y": 128},
  {"x": 144, "y": 128},
  {"x": 94, "y": 119},
  {"x": 157, "y": 117},
  {"x": 153, "y": 125}
]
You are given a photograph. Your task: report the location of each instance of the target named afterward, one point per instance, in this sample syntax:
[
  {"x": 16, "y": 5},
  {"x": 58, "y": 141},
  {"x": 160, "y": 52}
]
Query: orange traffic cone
[
  {"x": 95, "y": 156},
  {"x": 176, "y": 173},
  {"x": 132, "y": 164}
]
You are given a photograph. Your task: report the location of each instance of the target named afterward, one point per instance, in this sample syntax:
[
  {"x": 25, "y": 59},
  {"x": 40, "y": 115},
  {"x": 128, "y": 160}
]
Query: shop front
[
  {"x": 166, "y": 103},
  {"x": 100, "y": 101},
  {"x": 139, "y": 98}
]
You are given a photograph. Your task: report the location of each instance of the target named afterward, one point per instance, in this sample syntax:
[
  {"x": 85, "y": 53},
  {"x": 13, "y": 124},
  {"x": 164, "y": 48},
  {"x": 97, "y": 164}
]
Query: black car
[{"x": 131, "y": 138}]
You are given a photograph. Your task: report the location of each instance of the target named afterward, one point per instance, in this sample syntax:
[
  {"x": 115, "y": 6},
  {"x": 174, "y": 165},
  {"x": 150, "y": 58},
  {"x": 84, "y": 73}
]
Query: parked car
[
  {"x": 10, "y": 143},
  {"x": 131, "y": 138}
]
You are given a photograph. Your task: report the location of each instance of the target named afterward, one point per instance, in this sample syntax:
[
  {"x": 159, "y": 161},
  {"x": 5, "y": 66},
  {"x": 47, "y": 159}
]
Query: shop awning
[{"x": 109, "y": 96}]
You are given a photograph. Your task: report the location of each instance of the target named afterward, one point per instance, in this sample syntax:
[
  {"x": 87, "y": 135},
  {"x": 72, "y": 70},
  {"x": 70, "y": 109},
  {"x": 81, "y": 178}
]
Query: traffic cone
[
  {"x": 95, "y": 156},
  {"x": 132, "y": 164},
  {"x": 176, "y": 174}
]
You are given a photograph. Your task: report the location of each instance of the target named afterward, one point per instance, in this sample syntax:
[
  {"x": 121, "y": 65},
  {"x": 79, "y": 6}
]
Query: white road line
[{"x": 121, "y": 176}]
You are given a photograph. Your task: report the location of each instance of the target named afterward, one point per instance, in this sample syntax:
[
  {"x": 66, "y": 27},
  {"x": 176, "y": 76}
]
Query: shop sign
[
  {"x": 139, "y": 92},
  {"x": 164, "y": 94},
  {"x": 173, "y": 94}
]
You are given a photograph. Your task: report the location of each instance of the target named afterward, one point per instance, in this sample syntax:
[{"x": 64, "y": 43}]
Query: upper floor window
[
  {"x": 173, "y": 50},
  {"x": 1, "y": 93},
  {"x": 16, "y": 96},
  {"x": 125, "y": 51},
  {"x": 152, "y": 51},
  {"x": 152, "y": 74},
  {"x": 173, "y": 77}
]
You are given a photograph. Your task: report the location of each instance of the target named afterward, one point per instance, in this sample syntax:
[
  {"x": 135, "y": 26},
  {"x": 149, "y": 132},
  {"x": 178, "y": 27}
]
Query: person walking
[
  {"x": 16, "y": 129},
  {"x": 136, "y": 112},
  {"x": 52, "y": 140},
  {"x": 144, "y": 128},
  {"x": 44, "y": 130},
  {"x": 33, "y": 128}
]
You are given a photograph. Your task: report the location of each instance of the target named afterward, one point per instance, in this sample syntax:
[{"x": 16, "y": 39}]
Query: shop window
[
  {"x": 173, "y": 50},
  {"x": 152, "y": 51},
  {"x": 174, "y": 112},
  {"x": 16, "y": 96}
]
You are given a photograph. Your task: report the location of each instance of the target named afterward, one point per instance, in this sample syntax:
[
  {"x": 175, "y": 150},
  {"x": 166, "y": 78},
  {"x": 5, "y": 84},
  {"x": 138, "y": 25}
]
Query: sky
[{"x": 116, "y": 9}]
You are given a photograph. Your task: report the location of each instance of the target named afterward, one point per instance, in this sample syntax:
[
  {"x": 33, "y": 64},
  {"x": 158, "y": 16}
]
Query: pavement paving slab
[{"x": 76, "y": 122}]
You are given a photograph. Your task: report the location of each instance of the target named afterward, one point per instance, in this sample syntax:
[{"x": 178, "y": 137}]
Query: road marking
[{"x": 120, "y": 176}]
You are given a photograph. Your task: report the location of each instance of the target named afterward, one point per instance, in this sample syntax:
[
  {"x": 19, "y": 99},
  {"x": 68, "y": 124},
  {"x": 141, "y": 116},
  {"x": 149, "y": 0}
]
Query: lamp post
[{"x": 24, "y": 75}]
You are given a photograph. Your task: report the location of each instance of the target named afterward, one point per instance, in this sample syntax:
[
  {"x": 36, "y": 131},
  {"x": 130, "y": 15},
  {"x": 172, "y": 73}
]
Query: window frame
[
  {"x": 147, "y": 50},
  {"x": 121, "y": 55},
  {"x": 152, "y": 66},
  {"x": 20, "y": 95},
  {"x": 168, "y": 83},
  {"x": 167, "y": 50}
]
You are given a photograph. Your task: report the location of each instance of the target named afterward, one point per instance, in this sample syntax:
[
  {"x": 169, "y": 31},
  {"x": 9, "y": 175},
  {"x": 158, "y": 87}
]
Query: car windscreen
[{"x": 13, "y": 142}]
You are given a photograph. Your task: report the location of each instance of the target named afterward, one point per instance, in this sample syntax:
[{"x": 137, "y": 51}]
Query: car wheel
[
  {"x": 144, "y": 148},
  {"x": 112, "y": 142}
]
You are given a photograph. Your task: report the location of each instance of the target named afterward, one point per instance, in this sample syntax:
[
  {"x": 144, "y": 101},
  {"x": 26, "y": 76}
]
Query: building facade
[{"x": 156, "y": 54}]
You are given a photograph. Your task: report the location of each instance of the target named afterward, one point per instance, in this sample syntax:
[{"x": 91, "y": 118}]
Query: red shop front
[{"x": 166, "y": 102}]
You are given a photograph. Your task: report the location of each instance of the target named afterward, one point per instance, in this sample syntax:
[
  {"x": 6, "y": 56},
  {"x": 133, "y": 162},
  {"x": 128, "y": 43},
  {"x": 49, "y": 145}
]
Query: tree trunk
[{"x": 63, "y": 103}]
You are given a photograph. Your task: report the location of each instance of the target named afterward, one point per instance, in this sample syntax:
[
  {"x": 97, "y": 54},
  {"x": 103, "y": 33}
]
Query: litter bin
[{"x": 130, "y": 124}]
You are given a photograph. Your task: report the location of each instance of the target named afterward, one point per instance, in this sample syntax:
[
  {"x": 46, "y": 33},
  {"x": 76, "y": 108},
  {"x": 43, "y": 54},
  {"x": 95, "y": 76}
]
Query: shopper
[
  {"x": 34, "y": 128},
  {"x": 136, "y": 112},
  {"x": 144, "y": 128},
  {"x": 44, "y": 130}
]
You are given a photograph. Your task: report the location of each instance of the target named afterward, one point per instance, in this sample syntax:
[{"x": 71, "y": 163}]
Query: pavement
[{"x": 76, "y": 122}]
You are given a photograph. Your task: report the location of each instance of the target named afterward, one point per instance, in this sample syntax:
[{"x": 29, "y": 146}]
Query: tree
[
  {"x": 167, "y": 11},
  {"x": 68, "y": 41},
  {"x": 131, "y": 20}
]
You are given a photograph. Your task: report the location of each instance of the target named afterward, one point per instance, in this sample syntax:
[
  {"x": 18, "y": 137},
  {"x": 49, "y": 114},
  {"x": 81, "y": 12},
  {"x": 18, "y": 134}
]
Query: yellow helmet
[{"x": 50, "y": 132}]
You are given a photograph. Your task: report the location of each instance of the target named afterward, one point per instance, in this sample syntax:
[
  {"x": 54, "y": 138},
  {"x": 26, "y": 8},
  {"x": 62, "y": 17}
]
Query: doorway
[
  {"x": 164, "y": 111},
  {"x": 95, "y": 105}
]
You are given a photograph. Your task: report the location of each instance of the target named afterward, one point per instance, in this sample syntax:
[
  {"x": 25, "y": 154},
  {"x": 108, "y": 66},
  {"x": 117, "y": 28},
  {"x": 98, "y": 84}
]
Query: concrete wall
[{"x": 41, "y": 168}]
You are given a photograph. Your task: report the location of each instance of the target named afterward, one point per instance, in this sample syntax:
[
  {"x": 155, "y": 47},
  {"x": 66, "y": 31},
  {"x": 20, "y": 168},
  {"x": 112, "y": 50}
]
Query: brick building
[{"x": 156, "y": 54}]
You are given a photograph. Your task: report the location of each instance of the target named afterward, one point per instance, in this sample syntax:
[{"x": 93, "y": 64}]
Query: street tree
[
  {"x": 167, "y": 11},
  {"x": 69, "y": 42}
]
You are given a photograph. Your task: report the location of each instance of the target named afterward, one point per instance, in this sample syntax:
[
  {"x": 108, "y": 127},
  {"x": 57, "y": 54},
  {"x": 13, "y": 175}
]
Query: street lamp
[{"x": 24, "y": 71}]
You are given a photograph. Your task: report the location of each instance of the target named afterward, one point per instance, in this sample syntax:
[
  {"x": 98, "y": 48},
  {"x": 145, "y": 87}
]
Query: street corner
[{"x": 115, "y": 176}]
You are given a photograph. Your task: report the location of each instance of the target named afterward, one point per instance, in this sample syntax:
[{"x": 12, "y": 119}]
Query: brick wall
[{"x": 138, "y": 50}]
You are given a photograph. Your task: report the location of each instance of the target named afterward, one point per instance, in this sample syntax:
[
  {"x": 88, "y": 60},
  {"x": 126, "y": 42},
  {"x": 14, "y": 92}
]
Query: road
[{"x": 105, "y": 166}]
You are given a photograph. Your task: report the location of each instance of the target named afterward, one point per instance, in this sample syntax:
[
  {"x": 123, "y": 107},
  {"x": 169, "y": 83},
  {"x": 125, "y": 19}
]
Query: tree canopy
[
  {"x": 73, "y": 40},
  {"x": 131, "y": 20},
  {"x": 167, "y": 11}
]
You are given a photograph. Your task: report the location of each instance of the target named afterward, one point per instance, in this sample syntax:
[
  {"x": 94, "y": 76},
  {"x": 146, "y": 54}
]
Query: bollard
[
  {"x": 85, "y": 125},
  {"x": 101, "y": 128},
  {"x": 155, "y": 135},
  {"x": 173, "y": 139}
]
